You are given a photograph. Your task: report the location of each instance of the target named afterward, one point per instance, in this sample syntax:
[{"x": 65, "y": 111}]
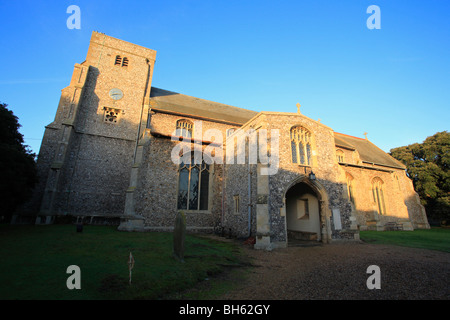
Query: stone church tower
[
  {"x": 88, "y": 151},
  {"x": 108, "y": 158}
]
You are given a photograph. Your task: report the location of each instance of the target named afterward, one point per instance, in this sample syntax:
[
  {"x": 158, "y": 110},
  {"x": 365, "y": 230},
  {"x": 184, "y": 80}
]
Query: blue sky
[{"x": 393, "y": 83}]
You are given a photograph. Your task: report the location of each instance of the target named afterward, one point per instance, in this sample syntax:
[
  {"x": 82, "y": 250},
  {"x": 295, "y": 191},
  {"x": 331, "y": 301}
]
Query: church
[{"x": 124, "y": 153}]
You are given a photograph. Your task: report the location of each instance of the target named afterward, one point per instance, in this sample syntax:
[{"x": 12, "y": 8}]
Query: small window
[
  {"x": 302, "y": 209},
  {"x": 340, "y": 155},
  {"x": 230, "y": 131},
  {"x": 111, "y": 115},
  {"x": 236, "y": 204},
  {"x": 184, "y": 128},
  {"x": 123, "y": 62}
]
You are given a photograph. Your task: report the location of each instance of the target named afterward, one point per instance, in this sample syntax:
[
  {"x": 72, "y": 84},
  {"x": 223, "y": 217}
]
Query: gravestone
[{"x": 179, "y": 234}]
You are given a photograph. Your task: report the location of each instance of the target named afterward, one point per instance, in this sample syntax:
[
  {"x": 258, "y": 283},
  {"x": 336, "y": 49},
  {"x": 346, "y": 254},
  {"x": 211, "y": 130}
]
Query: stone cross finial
[
  {"x": 365, "y": 134},
  {"x": 298, "y": 107}
]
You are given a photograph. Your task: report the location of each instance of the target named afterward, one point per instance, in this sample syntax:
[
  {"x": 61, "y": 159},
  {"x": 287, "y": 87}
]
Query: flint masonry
[{"x": 106, "y": 158}]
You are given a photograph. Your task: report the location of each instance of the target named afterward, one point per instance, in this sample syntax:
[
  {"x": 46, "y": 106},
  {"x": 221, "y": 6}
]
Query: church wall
[
  {"x": 324, "y": 167},
  {"x": 156, "y": 192},
  {"x": 236, "y": 217},
  {"x": 365, "y": 204},
  {"x": 416, "y": 210},
  {"x": 400, "y": 199}
]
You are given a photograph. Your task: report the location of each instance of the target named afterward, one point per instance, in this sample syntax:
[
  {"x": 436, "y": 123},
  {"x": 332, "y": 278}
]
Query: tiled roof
[
  {"x": 368, "y": 152},
  {"x": 179, "y": 103}
]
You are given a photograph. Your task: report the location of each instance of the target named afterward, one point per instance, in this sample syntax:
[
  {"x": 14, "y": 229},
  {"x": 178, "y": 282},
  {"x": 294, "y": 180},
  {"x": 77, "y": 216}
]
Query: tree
[
  {"x": 18, "y": 173},
  {"x": 428, "y": 166}
]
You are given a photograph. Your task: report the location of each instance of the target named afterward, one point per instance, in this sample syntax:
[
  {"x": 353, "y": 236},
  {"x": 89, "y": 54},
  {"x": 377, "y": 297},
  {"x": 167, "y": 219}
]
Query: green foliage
[
  {"x": 17, "y": 165},
  {"x": 428, "y": 166}
]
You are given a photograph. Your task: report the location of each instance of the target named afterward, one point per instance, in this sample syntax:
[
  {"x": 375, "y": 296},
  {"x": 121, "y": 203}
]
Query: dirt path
[{"x": 338, "y": 271}]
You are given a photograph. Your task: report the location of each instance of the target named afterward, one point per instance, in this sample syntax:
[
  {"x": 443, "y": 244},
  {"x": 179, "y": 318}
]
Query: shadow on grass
[{"x": 38, "y": 257}]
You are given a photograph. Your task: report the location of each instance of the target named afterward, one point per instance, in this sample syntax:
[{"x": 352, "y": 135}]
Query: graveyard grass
[
  {"x": 434, "y": 239},
  {"x": 35, "y": 260}
]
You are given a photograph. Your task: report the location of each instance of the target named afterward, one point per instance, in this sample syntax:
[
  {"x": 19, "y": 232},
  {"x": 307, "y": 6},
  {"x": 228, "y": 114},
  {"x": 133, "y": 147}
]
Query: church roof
[
  {"x": 173, "y": 102},
  {"x": 368, "y": 152},
  {"x": 169, "y": 101}
]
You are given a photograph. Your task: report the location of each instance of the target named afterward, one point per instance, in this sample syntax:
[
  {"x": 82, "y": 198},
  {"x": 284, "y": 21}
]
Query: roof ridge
[
  {"x": 210, "y": 101},
  {"x": 351, "y": 136}
]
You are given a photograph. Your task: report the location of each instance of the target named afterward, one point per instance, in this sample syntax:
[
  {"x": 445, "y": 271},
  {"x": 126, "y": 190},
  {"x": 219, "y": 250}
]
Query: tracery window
[
  {"x": 301, "y": 146},
  {"x": 184, "y": 128},
  {"x": 340, "y": 155},
  {"x": 193, "y": 185},
  {"x": 378, "y": 195}
]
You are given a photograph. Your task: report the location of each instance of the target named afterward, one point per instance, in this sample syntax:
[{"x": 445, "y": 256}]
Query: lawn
[
  {"x": 35, "y": 260},
  {"x": 434, "y": 238}
]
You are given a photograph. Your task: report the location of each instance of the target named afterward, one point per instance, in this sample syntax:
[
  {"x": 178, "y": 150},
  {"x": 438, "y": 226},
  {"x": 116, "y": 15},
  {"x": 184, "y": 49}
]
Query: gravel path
[{"x": 338, "y": 271}]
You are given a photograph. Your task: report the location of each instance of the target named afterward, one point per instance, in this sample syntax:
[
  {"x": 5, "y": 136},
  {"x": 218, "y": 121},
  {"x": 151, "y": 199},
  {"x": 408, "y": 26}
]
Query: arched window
[
  {"x": 184, "y": 128},
  {"x": 378, "y": 195},
  {"x": 193, "y": 185},
  {"x": 301, "y": 146},
  {"x": 118, "y": 61},
  {"x": 230, "y": 131},
  {"x": 350, "y": 186},
  {"x": 340, "y": 155},
  {"x": 125, "y": 62}
]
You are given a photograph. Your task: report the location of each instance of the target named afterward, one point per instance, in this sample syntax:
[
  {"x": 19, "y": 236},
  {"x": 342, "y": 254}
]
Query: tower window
[
  {"x": 111, "y": 115},
  {"x": 123, "y": 62}
]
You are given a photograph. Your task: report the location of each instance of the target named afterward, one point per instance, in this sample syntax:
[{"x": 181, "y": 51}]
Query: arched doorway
[{"x": 306, "y": 203}]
